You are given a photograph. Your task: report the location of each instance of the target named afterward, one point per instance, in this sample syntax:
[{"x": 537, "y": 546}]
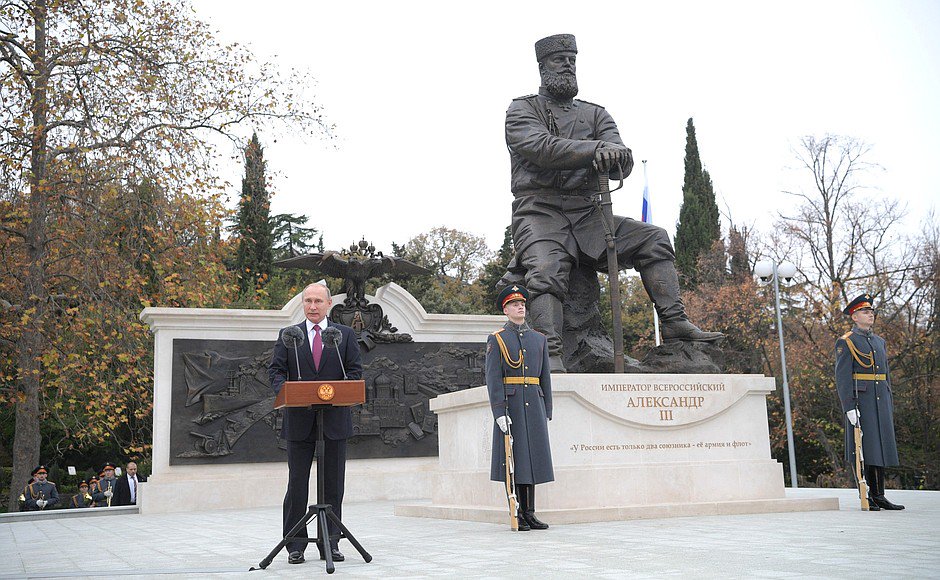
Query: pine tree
[
  {"x": 291, "y": 237},
  {"x": 253, "y": 224},
  {"x": 698, "y": 226}
]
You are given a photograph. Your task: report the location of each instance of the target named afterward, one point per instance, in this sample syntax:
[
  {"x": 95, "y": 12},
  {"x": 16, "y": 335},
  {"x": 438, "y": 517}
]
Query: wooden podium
[{"x": 327, "y": 393}]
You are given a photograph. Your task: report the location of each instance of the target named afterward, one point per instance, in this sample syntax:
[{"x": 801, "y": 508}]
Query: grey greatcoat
[
  {"x": 529, "y": 402},
  {"x": 866, "y": 370}
]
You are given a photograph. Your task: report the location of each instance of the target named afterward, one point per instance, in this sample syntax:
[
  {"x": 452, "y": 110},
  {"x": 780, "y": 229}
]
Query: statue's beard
[{"x": 560, "y": 85}]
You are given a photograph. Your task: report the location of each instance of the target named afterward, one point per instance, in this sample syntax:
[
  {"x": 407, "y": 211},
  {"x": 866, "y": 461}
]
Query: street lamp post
[{"x": 765, "y": 270}]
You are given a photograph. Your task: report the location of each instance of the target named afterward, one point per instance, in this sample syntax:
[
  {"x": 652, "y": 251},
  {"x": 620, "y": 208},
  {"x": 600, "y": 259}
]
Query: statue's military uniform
[
  {"x": 40, "y": 490},
  {"x": 862, "y": 366},
  {"x": 554, "y": 144},
  {"x": 518, "y": 381},
  {"x": 554, "y": 222}
]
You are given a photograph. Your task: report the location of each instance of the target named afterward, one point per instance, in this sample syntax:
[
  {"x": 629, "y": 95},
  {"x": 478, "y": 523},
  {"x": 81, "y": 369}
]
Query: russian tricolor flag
[{"x": 646, "y": 215}]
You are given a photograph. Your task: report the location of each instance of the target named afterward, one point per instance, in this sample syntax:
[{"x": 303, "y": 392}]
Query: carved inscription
[
  {"x": 665, "y": 397},
  {"x": 653, "y": 446}
]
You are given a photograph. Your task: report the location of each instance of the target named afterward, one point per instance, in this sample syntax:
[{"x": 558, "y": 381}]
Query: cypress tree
[
  {"x": 253, "y": 224},
  {"x": 698, "y": 226},
  {"x": 494, "y": 271}
]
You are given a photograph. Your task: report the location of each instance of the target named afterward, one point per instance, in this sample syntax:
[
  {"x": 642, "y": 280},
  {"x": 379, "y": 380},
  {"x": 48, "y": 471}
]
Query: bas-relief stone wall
[{"x": 222, "y": 409}]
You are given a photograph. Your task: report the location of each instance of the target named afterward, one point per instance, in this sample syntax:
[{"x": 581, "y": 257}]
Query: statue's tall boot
[
  {"x": 880, "y": 498},
  {"x": 662, "y": 284},
  {"x": 521, "y": 501},
  {"x": 871, "y": 478},
  {"x": 530, "y": 518},
  {"x": 547, "y": 315}
]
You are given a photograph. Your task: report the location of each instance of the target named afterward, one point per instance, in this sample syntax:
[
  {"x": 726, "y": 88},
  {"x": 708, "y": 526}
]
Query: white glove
[
  {"x": 108, "y": 493},
  {"x": 41, "y": 503},
  {"x": 852, "y": 416},
  {"x": 503, "y": 421}
]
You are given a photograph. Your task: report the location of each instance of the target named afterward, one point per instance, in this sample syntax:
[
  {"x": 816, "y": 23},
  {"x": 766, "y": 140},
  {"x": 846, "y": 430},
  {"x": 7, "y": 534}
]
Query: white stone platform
[{"x": 623, "y": 447}]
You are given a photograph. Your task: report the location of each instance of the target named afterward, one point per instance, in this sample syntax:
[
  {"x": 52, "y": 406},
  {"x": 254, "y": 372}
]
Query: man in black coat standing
[
  {"x": 126, "y": 486},
  {"x": 316, "y": 363}
]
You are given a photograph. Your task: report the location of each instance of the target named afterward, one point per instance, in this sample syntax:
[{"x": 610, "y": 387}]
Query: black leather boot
[
  {"x": 880, "y": 498},
  {"x": 521, "y": 501},
  {"x": 529, "y": 513},
  {"x": 546, "y": 315},
  {"x": 871, "y": 478},
  {"x": 662, "y": 284}
]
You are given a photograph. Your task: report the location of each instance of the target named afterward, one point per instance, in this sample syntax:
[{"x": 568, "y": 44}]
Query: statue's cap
[{"x": 553, "y": 44}]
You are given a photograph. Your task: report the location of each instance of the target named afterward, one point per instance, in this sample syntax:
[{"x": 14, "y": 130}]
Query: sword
[{"x": 604, "y": 203}]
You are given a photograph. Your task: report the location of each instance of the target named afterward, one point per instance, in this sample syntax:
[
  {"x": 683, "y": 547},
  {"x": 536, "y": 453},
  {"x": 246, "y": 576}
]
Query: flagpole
[{"x": 647, "y": 217}]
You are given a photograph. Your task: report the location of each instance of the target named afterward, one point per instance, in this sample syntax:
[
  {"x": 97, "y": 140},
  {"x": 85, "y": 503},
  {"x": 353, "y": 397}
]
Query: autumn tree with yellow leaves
[{"x": 108, "y": 202}]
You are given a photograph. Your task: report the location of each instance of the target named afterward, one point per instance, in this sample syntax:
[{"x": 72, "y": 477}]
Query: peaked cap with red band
[
  {"x": 511, "y": 293},
  {"x": 863, "y": 301}
]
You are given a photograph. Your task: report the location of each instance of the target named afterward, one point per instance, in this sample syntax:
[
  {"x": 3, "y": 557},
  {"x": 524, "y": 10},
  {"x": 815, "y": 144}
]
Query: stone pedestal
[{"x": 623, "y": 446}]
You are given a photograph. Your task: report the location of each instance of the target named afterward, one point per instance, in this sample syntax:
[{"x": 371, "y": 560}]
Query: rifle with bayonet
[
  {"x": 510, "y": 474},
  {"x": 859, "y": 459}
]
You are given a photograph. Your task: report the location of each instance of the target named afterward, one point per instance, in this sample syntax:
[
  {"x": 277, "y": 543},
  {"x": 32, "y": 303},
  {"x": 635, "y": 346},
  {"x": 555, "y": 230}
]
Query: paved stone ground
[{"x": 223, "y": 544}]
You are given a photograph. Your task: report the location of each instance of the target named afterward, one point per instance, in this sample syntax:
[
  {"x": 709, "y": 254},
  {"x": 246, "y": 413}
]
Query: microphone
[
  {"x": 331, "y": 338},
  {"x": 291, "y": 337}
]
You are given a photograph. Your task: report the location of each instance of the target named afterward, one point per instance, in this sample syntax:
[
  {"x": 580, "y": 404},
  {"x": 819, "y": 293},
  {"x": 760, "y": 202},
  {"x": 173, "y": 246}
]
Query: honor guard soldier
[
  {"x": 82, "y": 499},
  {"x": 105, "y": 490},
  {"x": 520, "y": 389},
  {"x": 40, "y": 493},
  {"x": 864, "y": 384}
]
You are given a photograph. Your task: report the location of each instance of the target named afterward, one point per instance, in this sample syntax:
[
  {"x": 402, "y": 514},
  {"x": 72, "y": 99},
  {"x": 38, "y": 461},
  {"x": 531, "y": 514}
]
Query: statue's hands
[{"x": 609, "y": 156}]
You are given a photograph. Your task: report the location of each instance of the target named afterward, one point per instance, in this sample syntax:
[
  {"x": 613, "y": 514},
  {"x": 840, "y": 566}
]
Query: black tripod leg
[
  {"x": 352, "y": 539},
  {"x": 290, "y": 535},
  {"x": 324, "y": 540}
]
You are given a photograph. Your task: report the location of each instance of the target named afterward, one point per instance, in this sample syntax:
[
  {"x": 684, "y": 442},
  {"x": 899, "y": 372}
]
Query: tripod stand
[{"x": 322, "y": 513}]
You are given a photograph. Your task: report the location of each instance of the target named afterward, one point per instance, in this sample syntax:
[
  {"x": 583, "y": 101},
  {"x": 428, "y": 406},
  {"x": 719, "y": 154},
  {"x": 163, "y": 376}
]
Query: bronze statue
[{"x": 558, "y": 145}]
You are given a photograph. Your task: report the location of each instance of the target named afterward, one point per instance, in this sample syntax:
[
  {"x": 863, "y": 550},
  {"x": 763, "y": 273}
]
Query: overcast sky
[{"x": 418, "y": 92}]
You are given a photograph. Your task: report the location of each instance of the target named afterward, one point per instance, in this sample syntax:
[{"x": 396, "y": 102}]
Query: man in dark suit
[
  {"x": 316, "y": 363},
  {"x": 125, "y": 488}
]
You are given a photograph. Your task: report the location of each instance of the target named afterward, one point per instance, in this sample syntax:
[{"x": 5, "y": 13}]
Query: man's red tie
[{"x": 317, "y": 346}]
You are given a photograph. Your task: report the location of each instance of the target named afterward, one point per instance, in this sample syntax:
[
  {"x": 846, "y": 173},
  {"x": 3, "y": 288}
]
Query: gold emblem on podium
[{"x": 326, "y": 392}]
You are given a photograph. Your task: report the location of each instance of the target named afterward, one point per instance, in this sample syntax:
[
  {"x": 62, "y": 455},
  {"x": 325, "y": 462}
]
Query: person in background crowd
[
  {"x": 40, "y": 494},
  {"x": 82, "y": 499}
]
